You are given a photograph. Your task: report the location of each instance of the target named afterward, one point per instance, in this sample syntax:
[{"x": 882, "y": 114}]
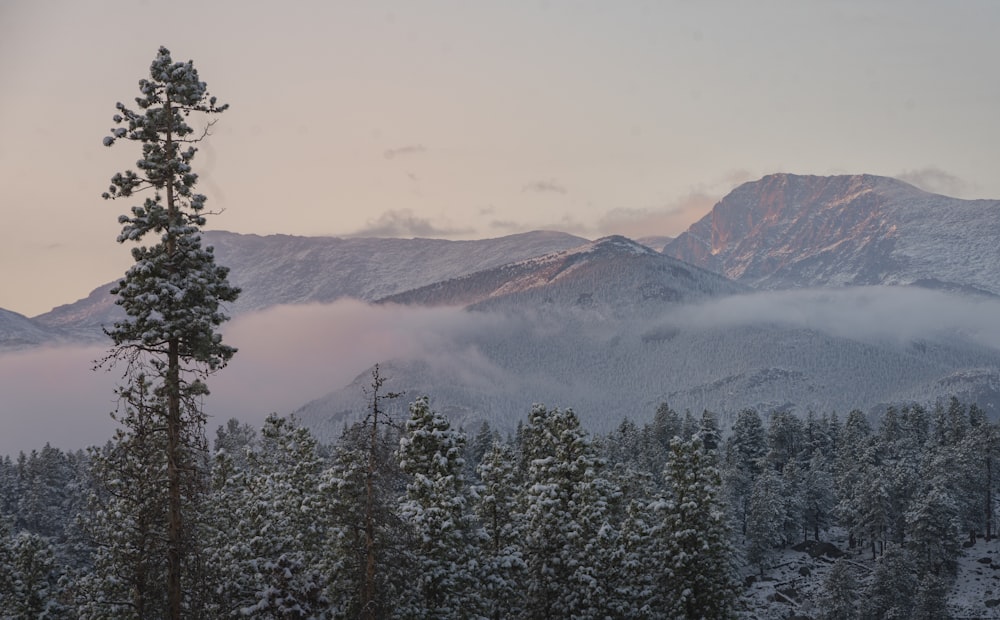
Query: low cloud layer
[
  {"x": 404, "y": 223},
  {"x": 900, "y": 314},
  {"x": 53, "y": 395},
  {"x": 290, "y": 355}
]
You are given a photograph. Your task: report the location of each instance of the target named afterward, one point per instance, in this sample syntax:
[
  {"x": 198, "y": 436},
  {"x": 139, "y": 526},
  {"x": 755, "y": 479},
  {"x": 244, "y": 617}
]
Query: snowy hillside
[
  {"x": 613, "y": 276},
  {"x": 611, "y": 369},
  {"x": 283, "y": 269},
  {"x": 18, "y": 332},
  {"x": 790, "y": 231}
]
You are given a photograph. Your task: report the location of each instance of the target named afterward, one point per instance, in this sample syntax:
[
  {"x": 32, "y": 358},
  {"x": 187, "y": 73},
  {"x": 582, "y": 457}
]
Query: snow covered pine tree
[{"x": 173, "y": 293}]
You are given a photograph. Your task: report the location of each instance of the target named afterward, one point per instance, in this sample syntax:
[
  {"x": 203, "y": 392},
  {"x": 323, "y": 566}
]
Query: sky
[{"x": 459, "y": 119}]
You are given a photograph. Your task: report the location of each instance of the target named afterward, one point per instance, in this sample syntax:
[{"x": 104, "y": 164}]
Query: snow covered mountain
[
  {"x": 284, "y": 269},
  {"x": 19, "y": 332},
  {"x": 613, "y": 330},
  {"x": 613, "y": 276},
  {"x": 609, "y": 370},
  {"x": 790, "y": 231}
]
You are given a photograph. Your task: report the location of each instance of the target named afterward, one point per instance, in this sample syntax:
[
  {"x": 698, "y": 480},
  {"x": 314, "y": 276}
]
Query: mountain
[
  {"x": 612, "y": 276},
  {"x": 610, "y": 370},
  {"x": 657, "y": 242},
  {"x": 613, "y": 329},
  {"x": 18, "y": 332},
  {"x": 285, "y": 269},
  {"x": 791, "y": 231}
]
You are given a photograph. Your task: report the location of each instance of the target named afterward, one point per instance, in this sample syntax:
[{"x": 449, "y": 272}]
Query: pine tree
[
  {"x": 7, "y": 578},
  {"x": 841, "y": 591},
  {"x": 819, "y": 496},
  {"x": 784, "y": 439},
  {"x": 745, "y": 449},
  {"x": 933, "y": 541},
  {"x": 47, "y": 500},
  {"x": 10, "y": 489},
  {"x": 436, "y": 509},
  {"x": 565, "y": 506},
  {"x": 173, "y": 293},
  {"x": 765, "y": 517},
  {"x": 269, "y": 528},
  {"x": 699, "y": 579},
  {"x": 235, "y": 441},
  {"x": 890, "y": 594},
  {"x": 641, "y": 563},
  {"x": 932, "y": 598},
  {"x": 126, "y": 518},
  {"x": 851, "y": 472},
  {"x": 37, "y": 581},
  {"x": 666, "y": 425},
  {"x": 984, "y": 447},
  {"x": 503, "y": 565},
  {"x": 368, "y": 559}
]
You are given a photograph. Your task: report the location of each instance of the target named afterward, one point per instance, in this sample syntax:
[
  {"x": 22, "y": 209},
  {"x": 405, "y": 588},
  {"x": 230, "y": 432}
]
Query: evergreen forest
[{"x": 407, "y": 517}]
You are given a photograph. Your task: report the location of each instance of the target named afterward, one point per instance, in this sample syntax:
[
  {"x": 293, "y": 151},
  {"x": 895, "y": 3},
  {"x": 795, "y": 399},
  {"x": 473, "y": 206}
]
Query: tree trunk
[
  {"x": 989, "y": 494},
  {"x": 368, "y": 591},
  {"x": 175, "y": 525}
]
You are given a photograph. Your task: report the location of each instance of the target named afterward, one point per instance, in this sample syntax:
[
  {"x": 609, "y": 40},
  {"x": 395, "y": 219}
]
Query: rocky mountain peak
[{"x": 792, "y": 231}]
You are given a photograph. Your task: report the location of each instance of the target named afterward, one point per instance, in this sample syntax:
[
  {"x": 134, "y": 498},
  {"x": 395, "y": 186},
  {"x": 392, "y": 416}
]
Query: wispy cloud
[
  {"x": 544, "y": 187},
  {"x": 410, "y": 149},
  {"x": 937, "y": 181},
  {"x": 674, "y": 217},
  {"x": 894, "y": 313},
  {"x": 405, "y": 223}
]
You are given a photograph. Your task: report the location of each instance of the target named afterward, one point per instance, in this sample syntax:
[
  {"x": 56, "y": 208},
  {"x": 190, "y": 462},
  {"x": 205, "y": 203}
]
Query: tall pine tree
[
  {"x": 437, "y": 510},
  {"x": 174, "y": 292}
]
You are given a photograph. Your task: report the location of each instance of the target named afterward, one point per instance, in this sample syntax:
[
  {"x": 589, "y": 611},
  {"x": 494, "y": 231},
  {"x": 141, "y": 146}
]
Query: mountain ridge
[
  {"x": 796, "y": 231},
  {"x": 612, "y": 274},
  {"x": 289, "y": 269}
]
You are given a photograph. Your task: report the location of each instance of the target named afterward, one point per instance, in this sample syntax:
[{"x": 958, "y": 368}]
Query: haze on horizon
[{"x": 458, "y": 120}]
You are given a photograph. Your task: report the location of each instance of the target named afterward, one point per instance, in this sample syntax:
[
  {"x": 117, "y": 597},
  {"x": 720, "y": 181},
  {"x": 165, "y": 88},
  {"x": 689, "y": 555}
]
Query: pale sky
[{"x": 464, "y": 119}]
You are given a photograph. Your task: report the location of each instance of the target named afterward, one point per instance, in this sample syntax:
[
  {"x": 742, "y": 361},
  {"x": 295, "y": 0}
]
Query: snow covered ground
[{"x": 792, "y": 587}]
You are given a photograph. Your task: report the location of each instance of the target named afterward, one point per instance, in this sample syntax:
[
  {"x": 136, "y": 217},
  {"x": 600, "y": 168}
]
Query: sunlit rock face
[{"x": 791, "y": 231}]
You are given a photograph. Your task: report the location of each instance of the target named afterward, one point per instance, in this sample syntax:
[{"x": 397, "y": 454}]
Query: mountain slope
[
  {"x": 790, "y": 231},
  {"x": 18, "y": 331},
  {"x": 610, "y": 370},
  {"x": 283, "y": 269},
  {"x": 613, "y": 275}
]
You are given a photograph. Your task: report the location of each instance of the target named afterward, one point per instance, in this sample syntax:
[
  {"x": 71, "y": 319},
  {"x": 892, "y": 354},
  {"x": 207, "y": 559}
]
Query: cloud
[
  {"x": 670, "y": 220},
  {"x": 410, "y": 149},
  {"x": 404, "y": 223},
  {"x": 674, "y": 217},
  {"x": 52, "y": 395},
  {"x": 936, "y": 181},
  {"x": 544, "y": 187},
  {"x": 288, "y": 356},
  {"x": 507, "y": 226},
  {"x": 291, "y": 355},
  {"x": 882, "y": 313}
]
